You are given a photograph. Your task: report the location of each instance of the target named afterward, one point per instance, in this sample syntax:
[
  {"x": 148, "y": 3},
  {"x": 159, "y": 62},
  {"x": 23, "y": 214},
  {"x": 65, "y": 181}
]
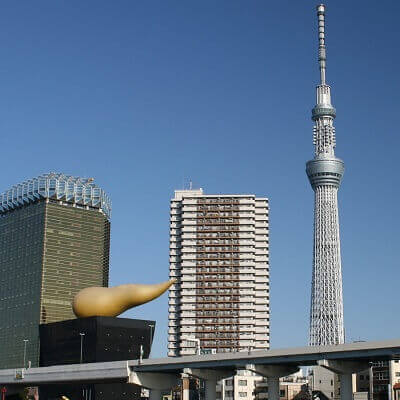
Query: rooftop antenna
[{"x": 321, "y": 39}]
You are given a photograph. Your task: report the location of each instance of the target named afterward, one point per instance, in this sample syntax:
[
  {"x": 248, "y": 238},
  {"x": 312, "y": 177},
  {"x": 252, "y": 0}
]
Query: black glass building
[
  {"x": 54, "y": 241},
  {"x": 94, "y": 339}
]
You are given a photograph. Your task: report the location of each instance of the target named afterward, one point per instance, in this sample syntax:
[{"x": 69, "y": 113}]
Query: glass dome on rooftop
[{"x": 65, "y": 188}]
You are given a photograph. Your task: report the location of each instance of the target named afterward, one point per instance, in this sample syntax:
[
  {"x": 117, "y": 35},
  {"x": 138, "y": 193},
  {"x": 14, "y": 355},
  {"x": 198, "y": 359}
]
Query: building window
[
  {"x": 380, "y": 364},
  {"x": 281, "y": 393},
  {"x": 242, "y": 394},
  {"x": 242, "y": 382},
  {"x": 381, "y": 375}
]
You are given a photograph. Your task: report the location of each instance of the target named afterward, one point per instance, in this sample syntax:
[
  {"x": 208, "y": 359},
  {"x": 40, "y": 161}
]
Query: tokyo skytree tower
[{"x": 325, "y": 172}]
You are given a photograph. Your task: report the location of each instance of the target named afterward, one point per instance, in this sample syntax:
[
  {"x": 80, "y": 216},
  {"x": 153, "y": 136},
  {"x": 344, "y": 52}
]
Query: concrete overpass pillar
[
  {"x": 210, "y": 389},
  {"x": 345, "y": 369},
  {"x": 211, "y": 377},
  {"x": 273, "y": 373},
  {"x": 273, "y": 387},
  {"x": 346, "y": 386},
  {"x": 185, "y": 386},
  {"x": 155, "y": 394}
]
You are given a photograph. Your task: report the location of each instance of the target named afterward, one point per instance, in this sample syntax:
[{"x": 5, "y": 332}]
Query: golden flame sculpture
[{"x": 110, "y": 302}]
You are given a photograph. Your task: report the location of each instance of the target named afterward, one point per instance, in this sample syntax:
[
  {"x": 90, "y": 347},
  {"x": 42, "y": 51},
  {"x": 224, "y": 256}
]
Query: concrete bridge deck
[{"x": 161, "y": 373}]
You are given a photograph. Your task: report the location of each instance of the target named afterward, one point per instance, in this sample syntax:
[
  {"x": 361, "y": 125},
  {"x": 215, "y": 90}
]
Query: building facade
[
  {"x": 54, "y": 241},
  {"x": 219, "y": 254},
  {"x": 247, "y": 385},
  {"x": 380, "y": 379}
]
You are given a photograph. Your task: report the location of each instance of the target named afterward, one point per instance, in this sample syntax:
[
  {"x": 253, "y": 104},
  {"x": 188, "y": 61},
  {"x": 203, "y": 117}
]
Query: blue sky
[{"x": 145, "y": 96}]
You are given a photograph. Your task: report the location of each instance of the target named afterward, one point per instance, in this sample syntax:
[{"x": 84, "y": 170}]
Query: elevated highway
[{"x": 163, "y": 373}]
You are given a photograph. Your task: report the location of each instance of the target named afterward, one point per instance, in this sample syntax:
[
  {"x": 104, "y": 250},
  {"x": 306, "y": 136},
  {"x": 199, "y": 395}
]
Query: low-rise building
[{"x": 247, "y": 385}]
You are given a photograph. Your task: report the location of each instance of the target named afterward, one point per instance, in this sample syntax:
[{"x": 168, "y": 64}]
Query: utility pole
[
  {"x": 25, "y": 342},
  {"x": 81, "y": 335},
  {"x": 151, "y": 326}
]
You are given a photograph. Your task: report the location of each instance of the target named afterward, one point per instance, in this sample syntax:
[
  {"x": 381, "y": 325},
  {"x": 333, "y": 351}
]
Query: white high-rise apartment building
[{"x": 219, "y": 255}]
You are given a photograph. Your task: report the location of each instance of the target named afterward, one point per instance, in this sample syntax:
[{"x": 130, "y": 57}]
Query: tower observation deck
[{"x": 325, "y": 172}]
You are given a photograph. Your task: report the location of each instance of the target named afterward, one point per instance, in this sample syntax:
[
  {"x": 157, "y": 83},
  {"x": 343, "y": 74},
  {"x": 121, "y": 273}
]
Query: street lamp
[
  {"x": 151, "y": 326},
  {"x": 25, "y": 342},
  {"x": 371, "y": 381},
  {"x": 81, "y": 335}
]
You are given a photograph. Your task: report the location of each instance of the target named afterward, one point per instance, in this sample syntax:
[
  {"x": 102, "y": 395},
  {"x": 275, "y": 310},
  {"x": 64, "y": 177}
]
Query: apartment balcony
[
  {"x": 188, "y": 202},
  {"x": 189, "y": 208},
  {"x": 261, "y": 250},
  {"x": 186, "y": 306},
  {"x": 188, "y": 352},
  {"x": 262, "y": 330},
  {"x": 246, "y": 321},
  {"x": 188, "y": 222},
  {"x": 247, "y": 299},
  {"x": 188, "y": 313},
  {"x": 247, "y": 277},
  {"x": 249, "y": 256},
  {"x": 188, "y": 285},
  {"x": 188, "y": 243},
  {"x": 246, "y": 314},
  {"x": 188, "y": 229},
  {"x": 188, "y": 280},
  {"x": 174, "y": 273},
  {"x": 186, "y": 330},
  {"x": 188, "y": 292},
  {"x": 263, "y": 316},
  {"x": 262, "y": 273},
  {"x": 187, "y": 263},
  {"x": 264, "y": 304},
  {"x": 188, "y": 236},
  {"x": 188, "y": 256}
]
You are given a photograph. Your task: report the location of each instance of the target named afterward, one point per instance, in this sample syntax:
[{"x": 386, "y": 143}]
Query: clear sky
[{"x": 147, "y": 95}]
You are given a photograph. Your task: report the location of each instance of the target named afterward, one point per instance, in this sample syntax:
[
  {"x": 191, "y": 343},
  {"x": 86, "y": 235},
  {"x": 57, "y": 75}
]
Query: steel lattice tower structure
[{"x": 325, "y": 172}]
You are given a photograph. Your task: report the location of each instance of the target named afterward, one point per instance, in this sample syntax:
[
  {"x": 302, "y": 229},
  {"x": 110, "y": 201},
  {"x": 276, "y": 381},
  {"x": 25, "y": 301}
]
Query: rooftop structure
[{"x": 80, "y": 192}]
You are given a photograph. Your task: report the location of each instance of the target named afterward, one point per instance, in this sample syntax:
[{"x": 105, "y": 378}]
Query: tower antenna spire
[
  {"x": 321, "y": 40},
  {"x": 325, "y": 173}
]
